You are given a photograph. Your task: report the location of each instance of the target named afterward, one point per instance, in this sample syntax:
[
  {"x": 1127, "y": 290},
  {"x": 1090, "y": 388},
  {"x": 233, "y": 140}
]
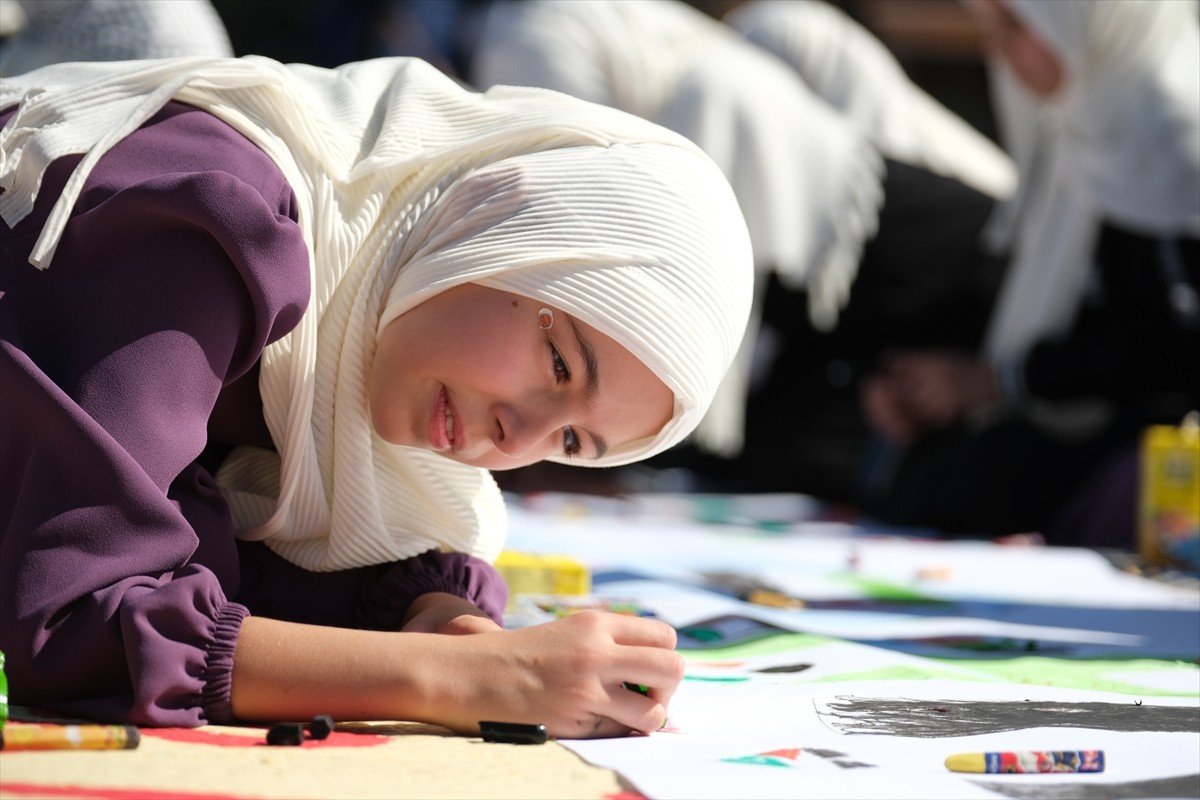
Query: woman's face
[
  {"x": 1030, "y": 58},
  {"x": 470, "y": 375}
]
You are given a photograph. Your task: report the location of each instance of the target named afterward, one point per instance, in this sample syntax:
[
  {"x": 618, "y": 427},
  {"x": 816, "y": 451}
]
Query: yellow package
[
  {"x": 531, "y": 573},
  {"x": 1169, "y": 519}
]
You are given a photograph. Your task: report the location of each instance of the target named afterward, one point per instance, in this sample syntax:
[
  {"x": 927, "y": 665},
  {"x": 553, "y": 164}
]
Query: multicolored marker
[{"x": 1030, "y": 761}]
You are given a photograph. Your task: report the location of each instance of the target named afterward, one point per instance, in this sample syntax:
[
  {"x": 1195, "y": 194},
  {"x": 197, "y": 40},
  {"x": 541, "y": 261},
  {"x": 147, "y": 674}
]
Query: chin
[
  {"x": 491, "y": 464},
  {"x": 450, "y": 455},
  {"x": 507, "y": 467}
]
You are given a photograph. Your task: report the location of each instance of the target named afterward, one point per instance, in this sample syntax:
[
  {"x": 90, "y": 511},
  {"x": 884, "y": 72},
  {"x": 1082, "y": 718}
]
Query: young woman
[{"x": 265, "y": 330}]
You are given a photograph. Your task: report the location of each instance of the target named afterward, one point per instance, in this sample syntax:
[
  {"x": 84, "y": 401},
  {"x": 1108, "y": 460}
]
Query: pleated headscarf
[
  {"x": 407, "y": 185},
  {"x": 1119, "y": 142},
  {"x": 808, "y": 182}
]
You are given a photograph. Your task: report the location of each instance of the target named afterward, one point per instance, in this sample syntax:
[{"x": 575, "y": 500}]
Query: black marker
[{"x": 513, "y": 733}]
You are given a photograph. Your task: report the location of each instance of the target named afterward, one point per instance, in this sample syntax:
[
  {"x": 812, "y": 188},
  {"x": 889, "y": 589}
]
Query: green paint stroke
[
  {"x": 902, "y": 672},
  {"x": 883, "y": 590},
  {"x": 1093, "y": 674},
  {"x": 1098, "y": 674},
  {"x": 766, "y": 761},
  {"x": 768, "y": 645}
]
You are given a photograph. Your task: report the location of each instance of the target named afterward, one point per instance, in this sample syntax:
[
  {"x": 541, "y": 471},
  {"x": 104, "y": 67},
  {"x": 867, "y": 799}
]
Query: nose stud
[{"x": 545, "y": 319}]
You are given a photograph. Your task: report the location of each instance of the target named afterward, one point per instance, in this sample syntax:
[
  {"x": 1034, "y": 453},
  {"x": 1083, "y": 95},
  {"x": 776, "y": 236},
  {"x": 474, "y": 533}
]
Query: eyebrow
[{"x": 591, "y": 369}]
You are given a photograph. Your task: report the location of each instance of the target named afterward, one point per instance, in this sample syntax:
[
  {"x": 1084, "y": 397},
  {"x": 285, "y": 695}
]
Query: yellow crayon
[{"x": 69, "y": 737}]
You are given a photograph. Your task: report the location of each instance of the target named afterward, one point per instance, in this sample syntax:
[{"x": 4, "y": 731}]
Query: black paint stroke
[
  {"x": 785, "y": 668},
  {"x": 904, "y": 717},
  {"x": 816, "y": 751},
  {"x": 1184, "y": 786}
]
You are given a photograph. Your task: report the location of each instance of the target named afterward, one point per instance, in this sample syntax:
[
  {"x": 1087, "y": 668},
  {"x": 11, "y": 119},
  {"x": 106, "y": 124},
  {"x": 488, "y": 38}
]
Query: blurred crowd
[{"x": 977, "y": 245}]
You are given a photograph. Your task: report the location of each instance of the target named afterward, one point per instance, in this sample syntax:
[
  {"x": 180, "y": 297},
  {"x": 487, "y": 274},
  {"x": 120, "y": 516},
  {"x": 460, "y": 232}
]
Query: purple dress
[{"x": 122, "y": 586}]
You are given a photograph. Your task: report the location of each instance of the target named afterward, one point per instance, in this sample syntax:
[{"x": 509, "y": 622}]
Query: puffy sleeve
[
  {"x": 371, "y": 598},
  {"x": 180, "y": 263}
]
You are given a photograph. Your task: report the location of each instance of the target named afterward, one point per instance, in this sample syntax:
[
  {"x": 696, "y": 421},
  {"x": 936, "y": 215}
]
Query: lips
[{"x": 441, "y": 423}]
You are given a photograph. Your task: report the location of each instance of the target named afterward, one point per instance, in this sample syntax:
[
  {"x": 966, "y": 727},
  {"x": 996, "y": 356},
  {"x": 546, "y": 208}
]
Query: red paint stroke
[
  {"x": 200, "y": 736},
  {"x": 791, "y": 753},
  {"x": 627, "y": 794},
  {"x": 722, "y": 664},
  {"x": 103, "y": 793}
]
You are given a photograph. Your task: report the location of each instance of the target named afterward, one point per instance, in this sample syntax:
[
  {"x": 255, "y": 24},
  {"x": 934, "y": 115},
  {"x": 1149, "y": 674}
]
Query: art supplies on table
[
  {"x": 1169, "y": 515},
  {"x": 1027, "y": 762},
  {"x": 726, "y": 630},
  {"x": 69, "y": 737},
  {"x": 512, "y": 733},
  {"x": 525, "y": 610},
  {"x": 535, "y": 573},
  {"x": 3, "y": 693}
]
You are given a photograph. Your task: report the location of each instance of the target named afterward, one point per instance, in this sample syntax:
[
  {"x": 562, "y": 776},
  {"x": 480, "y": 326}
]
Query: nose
[{"x": 526, "y": 431}]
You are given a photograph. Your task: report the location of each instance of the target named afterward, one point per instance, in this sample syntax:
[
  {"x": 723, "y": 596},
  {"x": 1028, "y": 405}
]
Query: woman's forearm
[
  {"x": 289, "y": 671},
  {"x": 569, "y": 674}
]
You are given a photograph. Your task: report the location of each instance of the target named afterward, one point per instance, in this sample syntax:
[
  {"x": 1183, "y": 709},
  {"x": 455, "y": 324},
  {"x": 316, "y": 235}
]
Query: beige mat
[{"x": 358, "y": 760}]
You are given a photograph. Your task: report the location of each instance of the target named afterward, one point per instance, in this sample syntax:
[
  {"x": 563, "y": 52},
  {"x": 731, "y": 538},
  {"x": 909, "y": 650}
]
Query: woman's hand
[
  {"x": 568, "y": 675},
  {"x": 940, "y": 388},
  {"x": 440, "y": 612},
  {"x": 882, "y": 400},
  {"x": 931, "y": 390}
]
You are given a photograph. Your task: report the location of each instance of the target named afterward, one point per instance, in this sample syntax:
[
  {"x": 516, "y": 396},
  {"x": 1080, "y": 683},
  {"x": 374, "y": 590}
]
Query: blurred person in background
[
  {"x": 38, "y": 32},
  {"x": 1097, "y": 330}
]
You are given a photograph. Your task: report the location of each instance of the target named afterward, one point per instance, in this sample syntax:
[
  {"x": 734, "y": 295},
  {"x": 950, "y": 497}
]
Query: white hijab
[
  {"x": 807, "y": 181},
  {"x": 1120, "y": 142},
  {"x": 407, "y": 185},
  {"x": 848, "y": 67}
]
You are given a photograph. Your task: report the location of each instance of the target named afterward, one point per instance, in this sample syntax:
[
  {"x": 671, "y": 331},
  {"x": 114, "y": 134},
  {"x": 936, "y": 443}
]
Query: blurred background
[{"x": 892, "y": 127}]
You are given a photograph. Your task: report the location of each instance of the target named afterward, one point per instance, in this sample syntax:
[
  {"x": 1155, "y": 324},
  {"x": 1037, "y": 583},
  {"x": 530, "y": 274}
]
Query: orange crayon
[{"x": 69, "y": 737}]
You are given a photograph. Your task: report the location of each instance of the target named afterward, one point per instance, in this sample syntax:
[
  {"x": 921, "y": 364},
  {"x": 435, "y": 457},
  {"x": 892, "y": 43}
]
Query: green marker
[{"x": 3, "y": 692}]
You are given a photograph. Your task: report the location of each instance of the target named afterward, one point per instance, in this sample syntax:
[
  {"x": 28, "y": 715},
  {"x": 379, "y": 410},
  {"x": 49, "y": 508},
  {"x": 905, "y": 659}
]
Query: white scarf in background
[
  {"x": 807, "y": 181},
  {"x": 855, "y": 73},
  {"x": 407, "y": 185},
  {"x": 114, "y": 30},
  {"x": 1120, "y": 142}
]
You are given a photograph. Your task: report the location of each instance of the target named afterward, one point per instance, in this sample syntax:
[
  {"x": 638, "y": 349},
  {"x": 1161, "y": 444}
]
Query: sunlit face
[
  {"x": 1030, "y": 58},
  {"x": 470, "y": 375}
]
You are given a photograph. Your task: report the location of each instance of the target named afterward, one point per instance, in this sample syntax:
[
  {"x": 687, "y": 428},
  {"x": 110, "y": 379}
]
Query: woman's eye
[
  {"x": 561, "y": 371},
  {"x": 571, "y": 443}
]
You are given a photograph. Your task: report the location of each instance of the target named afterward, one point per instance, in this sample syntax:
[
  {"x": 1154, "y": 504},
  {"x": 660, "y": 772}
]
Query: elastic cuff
[
  {"x": 385, "y": 599},
  {"x": 217, "y": 698}
]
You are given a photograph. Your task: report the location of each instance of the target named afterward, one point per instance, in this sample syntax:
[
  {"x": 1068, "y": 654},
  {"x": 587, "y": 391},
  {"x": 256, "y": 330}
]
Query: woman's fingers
[
  {"x": 640, "y": 653},
  {"x": 655, "y": 675},
  {"x": 881, "y": 403},
  {"x": 626, "y": 710},
  {"x": 571, "y": 674},
  {"x": 642, "y": 713}
]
